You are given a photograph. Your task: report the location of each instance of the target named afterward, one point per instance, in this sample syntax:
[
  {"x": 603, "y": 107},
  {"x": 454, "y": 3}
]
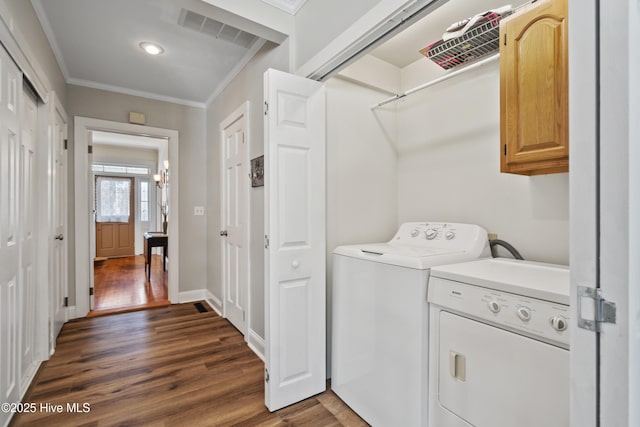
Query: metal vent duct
[{"x": 216, "y": 29}]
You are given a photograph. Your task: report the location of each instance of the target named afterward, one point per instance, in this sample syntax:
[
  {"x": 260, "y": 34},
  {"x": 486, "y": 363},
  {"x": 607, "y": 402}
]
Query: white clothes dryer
[
  {"x": 499, "y": 344},
  {"x": 380, "y": 318}
]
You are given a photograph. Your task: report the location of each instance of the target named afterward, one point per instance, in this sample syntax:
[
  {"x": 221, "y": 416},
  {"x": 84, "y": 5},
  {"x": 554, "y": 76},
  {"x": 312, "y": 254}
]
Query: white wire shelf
[{"x": 476, "y": 43}]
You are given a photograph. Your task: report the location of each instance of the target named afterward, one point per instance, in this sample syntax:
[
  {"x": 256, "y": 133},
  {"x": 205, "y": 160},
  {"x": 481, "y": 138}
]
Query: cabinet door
[{"x": 533, "y": 90}]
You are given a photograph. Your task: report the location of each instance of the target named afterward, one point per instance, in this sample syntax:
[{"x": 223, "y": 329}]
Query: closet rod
[{"x": 436, "y": 81}]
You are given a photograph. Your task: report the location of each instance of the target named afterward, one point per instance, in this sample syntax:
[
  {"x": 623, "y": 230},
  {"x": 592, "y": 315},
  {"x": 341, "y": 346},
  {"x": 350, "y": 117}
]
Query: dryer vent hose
[{"x": 497, "y": 242}]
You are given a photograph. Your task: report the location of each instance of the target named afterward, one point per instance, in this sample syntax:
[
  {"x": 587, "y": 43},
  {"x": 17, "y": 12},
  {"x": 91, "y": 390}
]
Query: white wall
[
  {"x": 448, "y": 166},
  {"x": 125, "y": 155},
  {"x": 361, "y": 173},
  {"x": 248, "y": 85},
  {"x": 361, "y": 167}
]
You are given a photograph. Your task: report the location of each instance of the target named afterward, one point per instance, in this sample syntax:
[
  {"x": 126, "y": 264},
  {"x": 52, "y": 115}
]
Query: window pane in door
[{"x": 112, "y": 199}]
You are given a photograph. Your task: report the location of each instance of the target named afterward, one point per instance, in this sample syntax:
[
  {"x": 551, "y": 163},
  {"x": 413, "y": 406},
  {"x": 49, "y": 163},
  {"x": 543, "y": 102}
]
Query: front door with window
[{"x": 115, "y": 234}]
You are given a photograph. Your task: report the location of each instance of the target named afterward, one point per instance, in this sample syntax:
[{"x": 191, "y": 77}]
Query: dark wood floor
[
  {"x": 120, "y": 284},
  {"x": 169, "y": 366}
]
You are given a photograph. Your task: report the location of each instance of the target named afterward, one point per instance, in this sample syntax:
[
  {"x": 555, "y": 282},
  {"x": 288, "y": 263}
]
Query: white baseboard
[
  {"x": 256, "y": 343},
  {"x": 214, "y": 302},
  {"x": 71, "y": 312},
  {"x": 191, "y": 296}
]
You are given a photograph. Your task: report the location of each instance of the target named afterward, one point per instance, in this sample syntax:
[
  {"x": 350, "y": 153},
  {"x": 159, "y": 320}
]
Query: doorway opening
[{"x": 127, "y": 203}]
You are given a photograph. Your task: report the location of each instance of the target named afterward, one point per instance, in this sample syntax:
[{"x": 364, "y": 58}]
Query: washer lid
[
  {"x": 548, "y": 282},
  {"x": 417, "y": 257}
]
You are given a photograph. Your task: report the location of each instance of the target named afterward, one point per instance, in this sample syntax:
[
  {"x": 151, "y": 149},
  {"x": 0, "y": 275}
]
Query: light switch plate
[{"x": 198, "y": 210}]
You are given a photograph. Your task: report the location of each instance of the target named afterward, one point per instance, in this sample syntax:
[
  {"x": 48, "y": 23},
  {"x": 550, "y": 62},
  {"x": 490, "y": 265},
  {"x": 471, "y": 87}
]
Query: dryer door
[{"x": 490, "y": 377}]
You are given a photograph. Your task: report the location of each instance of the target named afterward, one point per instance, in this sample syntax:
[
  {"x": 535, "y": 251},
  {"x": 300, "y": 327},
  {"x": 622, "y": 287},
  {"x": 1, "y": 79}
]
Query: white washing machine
[
  {"x": 499, "y": 344},
  {"x": 380, "y": 318}
]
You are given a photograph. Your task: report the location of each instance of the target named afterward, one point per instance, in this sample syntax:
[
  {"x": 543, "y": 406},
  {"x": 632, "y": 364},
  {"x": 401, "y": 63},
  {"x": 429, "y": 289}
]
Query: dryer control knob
[
  {"x": 431, "y": 234},
  {"x": 524, "y": 314},
  {"x": 494, "y": 307},
  {"x": 415, "y": 232},
  {"x": 450, "y": 235},
  {"x": 558, "y": 323}
]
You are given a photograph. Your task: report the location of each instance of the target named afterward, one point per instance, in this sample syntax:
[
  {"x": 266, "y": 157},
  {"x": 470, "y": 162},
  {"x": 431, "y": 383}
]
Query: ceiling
[
  {"x": 404, "y": 49},
  {"x": 96, "y": 43}
]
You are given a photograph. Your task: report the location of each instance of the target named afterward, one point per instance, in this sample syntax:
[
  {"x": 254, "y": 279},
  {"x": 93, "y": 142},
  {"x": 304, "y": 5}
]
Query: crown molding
[{"x": 289, "y": 6}]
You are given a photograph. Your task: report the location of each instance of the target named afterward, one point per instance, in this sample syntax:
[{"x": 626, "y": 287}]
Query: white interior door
[
  {"x": 235, "y": 217},
  {"x": 29, "y": 361},
  {"x": 295, "y": 238},
  {"x": 10, "y": 277},
  {"x": 58, "y": 256}
]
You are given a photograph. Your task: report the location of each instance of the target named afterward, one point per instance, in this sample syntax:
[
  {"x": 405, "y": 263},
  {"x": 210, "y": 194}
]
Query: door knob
[
  {"x": 223, "y": 233},
  {"x": 59, "y": 237}
]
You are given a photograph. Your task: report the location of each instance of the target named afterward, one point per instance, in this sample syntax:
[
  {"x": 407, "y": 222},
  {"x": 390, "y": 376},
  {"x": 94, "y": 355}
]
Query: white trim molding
[
  {"x": 290, "y": 6},
  {"x": 214, "y": 302},
  {"x": 82, "y": 209},
  {"x": 256, "y": 343},
  {"x": 133, "y": 92},
  {"x": 192, "y": 296}
]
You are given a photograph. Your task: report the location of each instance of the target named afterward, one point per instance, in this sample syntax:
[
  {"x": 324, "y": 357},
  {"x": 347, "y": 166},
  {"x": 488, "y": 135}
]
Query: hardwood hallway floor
[
  {"x": 168, "y": 366},
  {"x": 120, "y": 284}
]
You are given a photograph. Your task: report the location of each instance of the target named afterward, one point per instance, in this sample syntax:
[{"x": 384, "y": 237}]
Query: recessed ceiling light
[{"x": 152, "y": 48}]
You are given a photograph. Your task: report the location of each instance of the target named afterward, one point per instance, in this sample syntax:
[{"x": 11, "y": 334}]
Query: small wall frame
[{"x": 257, "y": 172}]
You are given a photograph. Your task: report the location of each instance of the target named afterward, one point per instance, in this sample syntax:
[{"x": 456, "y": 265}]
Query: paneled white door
[
  {"x": 235, "y": 217},
  {"x": 29, "y": 361},
  {"x": 58, "y": 256},
  {"x": 295, "y": 238},
  {"x": 10, "y": 183}
]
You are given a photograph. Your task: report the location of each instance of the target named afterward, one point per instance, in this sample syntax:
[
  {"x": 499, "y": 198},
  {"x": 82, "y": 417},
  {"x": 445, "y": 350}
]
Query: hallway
[{"x": 172, "y": 366}]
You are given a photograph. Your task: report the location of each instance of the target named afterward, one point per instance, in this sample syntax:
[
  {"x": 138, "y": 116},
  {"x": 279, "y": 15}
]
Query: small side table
[{"x": 154, "y": 239}]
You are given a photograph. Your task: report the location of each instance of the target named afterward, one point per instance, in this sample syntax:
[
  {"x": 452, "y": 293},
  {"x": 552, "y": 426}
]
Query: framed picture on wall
[{"x": 257, "y": 171}]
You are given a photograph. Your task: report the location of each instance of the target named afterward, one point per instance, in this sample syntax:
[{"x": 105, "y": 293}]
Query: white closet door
[
  {"x": 29, "y": 362},
  {"x": 295, "y": 229},
  {"x": 10, "y": 182}
]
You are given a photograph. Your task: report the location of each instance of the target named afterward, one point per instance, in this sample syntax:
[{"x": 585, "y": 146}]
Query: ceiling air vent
[{"x": 216, "y": 29}]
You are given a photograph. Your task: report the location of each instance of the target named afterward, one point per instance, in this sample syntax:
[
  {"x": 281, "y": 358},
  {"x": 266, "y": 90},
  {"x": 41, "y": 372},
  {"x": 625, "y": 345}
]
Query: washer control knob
[
  {"x": 431, "y": 233},
  {"x": 415, "y": 232},
  {"x": 494, "y": 307},
  {"x": 450, "y": 235},
  {"x": 524, "y": 314},
  {"x": 559, "y": 323}
]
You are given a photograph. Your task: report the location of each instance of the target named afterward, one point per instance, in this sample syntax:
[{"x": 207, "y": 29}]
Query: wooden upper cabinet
[{"x": 534, "y": 116}]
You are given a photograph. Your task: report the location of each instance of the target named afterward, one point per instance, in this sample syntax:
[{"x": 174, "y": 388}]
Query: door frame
[
  {"x": 83, "y": 210},
  {"x": 241, "y": 111},
  {"x": 583, "y": 221}
]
